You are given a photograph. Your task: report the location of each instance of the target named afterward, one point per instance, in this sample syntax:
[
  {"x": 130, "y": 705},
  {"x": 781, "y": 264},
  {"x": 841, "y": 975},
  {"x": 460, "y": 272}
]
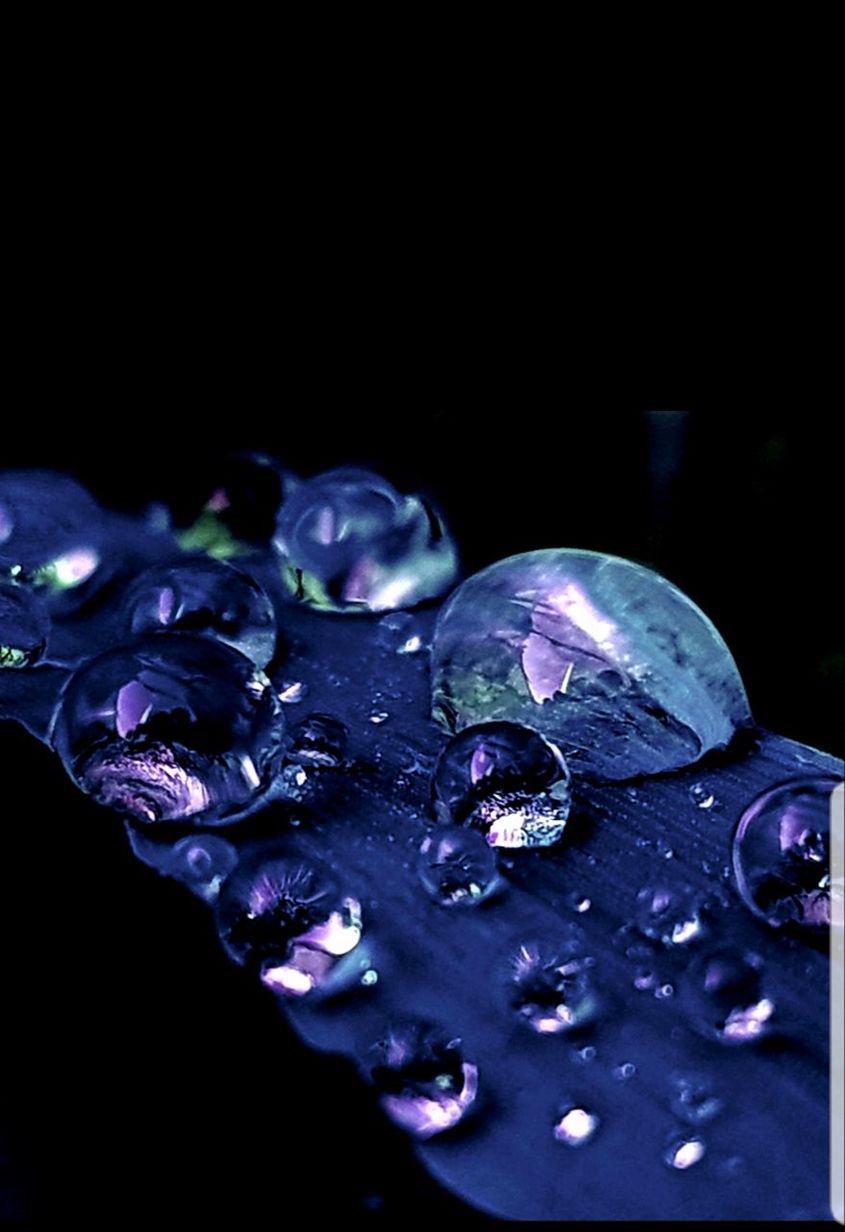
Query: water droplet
[
  {"x": 725, "y": 994},
  {"x": 319, "y": 740},
  {"x": 663, "y": 849},
  {"x": 781, "y": 854},
  {"x": 586, "y": 1054},
  {"x": 370, "y": 977},
  {"x": 692, "y": 1099},
  {"x": 350, "y": 542},
  {"x": 206, "y": 597},
  {"x": 645, "y": 979},
  {"x": 202, "y": 862},
  {"x": 702, "y": 796},
  {"x": 174, "y": 727},
  {"x": 670, "y": 916},
  {"x": 605, "y": 658},
  {"x": 24, "y": 626},
  {"x": 578, "y": 903},
  {"x": 458, "y": 869},
  {"x": 575, "y": 1126},
  {"x": 425, "y": 1085},
  {"x": 398, "y": 633},
  {"x": 551, "y": 988},
  {"x": 288, "y": 919},
  {"x": 240, "y": 508},
  {"x": 381, "y": 716},
  {"x": 292, "y": 692},
  {"x": 625, "y": 1071},
  {"x": 505, "y": 780},
  {"x": 684, "y": 1153},
  {"x": 664, "y": 992}
]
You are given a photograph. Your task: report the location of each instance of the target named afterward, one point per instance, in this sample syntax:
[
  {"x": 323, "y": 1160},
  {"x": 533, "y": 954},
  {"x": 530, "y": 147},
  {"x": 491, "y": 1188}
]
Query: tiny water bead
[
  {"x": 670, "y": 916},
  {"x": 426, "y": 1086},
  {"x": 202, "y": 862},
  {"x": 458, "y": 868},
  {"x": 684, "y": 1153},
  {"x": 725, "y": 995},
  {"x": 575, "y": 1125},
  {"x": 607, "y": 659},
  {"x": 551, "y": 989},
  {"x": 205, "y": 597},
  {"x": 24, "y": 626},
  {"x": 318, "y": 740},
  {"x": 172, "y": 728},
  {"x": 702, "y": 797},
  {"x": 781, "y": 854},
  {"x": 506, "y": 780},
  {"x": 692, "y": 1099},
  {"x": 287, "y": 919},
  {"x": 241, "y": 508},
  {"x": 350, "y": 542},
  {"x": 398, "y": 634}
]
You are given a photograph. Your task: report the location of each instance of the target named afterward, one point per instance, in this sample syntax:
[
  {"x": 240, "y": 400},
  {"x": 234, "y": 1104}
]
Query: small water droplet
[
  {"x": 426, "y": 1085},
  {"x": 380, "y": 716},
  {"x": 645, "y": 979},
  {"x": 670, "y": 916},
  {"x": 692, "y": 1099},
  {"x": 319, "y": 740},
  {"x": 685, "y": 1153},
  {"x": 370, "y": 977},
  {"x": 726, "y": 997},
  {"x": 701, "y": 796},
  {"x": 625, "y": 1071},
  {"x": 458, "y": 869},
  {"x": 585, "y": 1054},
  {"x": 578, "y": 903},
  {"x": 292, "y": 692},
  {"x": 551, "y": 988},
  {"x": 664, "y": 992},
  {"x": 781, "y": 854},
  {"x": 575, "y": 1126},
  {"x": 506, "y": 780}
]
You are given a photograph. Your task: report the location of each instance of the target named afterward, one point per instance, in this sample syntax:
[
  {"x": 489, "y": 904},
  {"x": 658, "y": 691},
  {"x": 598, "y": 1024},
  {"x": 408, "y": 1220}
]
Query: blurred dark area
[{"x": 143, "y": 1073}]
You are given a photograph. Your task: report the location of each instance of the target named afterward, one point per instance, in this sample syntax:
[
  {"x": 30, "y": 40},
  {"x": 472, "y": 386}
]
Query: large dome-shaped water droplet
[
  {"x": 506, "y": 780},
  {"x": 551, "y": 988},
  {"x": 350, "y": 542},
  {"x": 725, "y": 996},
  {"x": 426, "y": 1085},
  {"x": 239, "y": 509},
  {"x": 604, "y": 657},
  {"x": 24, "y": 626},
  {"x": 458, "y": 868},
  {"x": 781, "y": 854},
  {"x": 174, "y": 727},
  {"x": 206, "y": 597}
]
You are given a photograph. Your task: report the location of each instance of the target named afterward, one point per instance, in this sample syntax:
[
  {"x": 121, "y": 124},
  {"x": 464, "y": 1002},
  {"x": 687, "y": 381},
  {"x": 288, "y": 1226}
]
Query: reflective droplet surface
[
  {"x": 202, "y": 862},
  {"x": 724, "y": 992},
  {"x": 505, "y": 780},
  {"x": 319, "y": 740},
  {"x": 288, "y": 920},
  {"x": 426, "y": 1086},
  {"x": 781, "y": 854},
  {"x": 575, "y": 1125},
  {"x": 605, "y": 658},
  {"x": 240, "y": 512},
  {"x": 206, "y": 597},
  {"x": 670, "y": 916},
  {"x": 692, "y": 1099},
  {"x": 350, "y": 542},
  {"x": 24, "y": 626},
  {"x": 701, "y": 796},
  {"x": 684, "y": 1153},
  {"x": 172, "y": 728},
  {"x": 551, "y": 987},
  {"x": 458, "y": 868}
]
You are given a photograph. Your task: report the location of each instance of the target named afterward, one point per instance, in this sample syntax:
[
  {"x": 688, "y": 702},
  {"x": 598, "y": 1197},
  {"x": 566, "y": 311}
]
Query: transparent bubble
[
  {"x": 24, "y": 626},
  {"x": 551, "y": 987},
  {"x": 202, "y": 862},
  {"x": 287, "y": 919},
  {"x": 725, "y": 995},
  {"x": 425, "y": 1084},
  {"x": 684, "y": 1153},
  {"x": 507, "y": 781},
  {"x": 206, "y": 597},
  {"x": 240, "y": 509},
  {"x": 458, "y": 868},
  {"x": 781, "y": 854},
  {"x": 174, "y": 727},
  {"x": 398, "y": 633},
  {"x": 51, "y": 536},
  {"x": 670, "y": 916},
  {"x": 692, "y": 1099},
  {"x": 702, "y": 797},
  {"x": 319, "y": 740},
  {"x": 605, "y": 658},
  {"x": 350, "y": 542},
  {"x": 575, "y": 1125}
]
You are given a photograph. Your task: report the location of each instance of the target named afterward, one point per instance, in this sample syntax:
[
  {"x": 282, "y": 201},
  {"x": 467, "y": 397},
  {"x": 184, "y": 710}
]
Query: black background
[{"x": 146, "y": 1076}]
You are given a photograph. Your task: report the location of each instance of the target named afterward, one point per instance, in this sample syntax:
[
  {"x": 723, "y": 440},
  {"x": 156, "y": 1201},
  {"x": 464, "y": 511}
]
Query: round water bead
[
  {"x": 426, "y": 1085},
  {"x": 318, "y": 740},
  {"x": 240, "y": 511},
  {"x": 670, "y": 916},
  {"x": 286, "y": 918},
  {"x": 350, "y": 542},
  {"x": 458, "y": 869},
  {"x": 684, "y": 1153},
  {"x": 174, "y": 727},
  {"x": 24, "y": 626},
  {"x": 206, "y": 597},
  {"x": 551, "y": 987},
  {"x": 202, "y": 862},
  {"x": 781, "y": 854},
  {"x": 607, "y": 659},
  {"x": 575, "y": 1125},
  {"x": 51, "y": 534},
  {"x": 724, "y": 992},
  {"x": 508, "y": 781}
]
